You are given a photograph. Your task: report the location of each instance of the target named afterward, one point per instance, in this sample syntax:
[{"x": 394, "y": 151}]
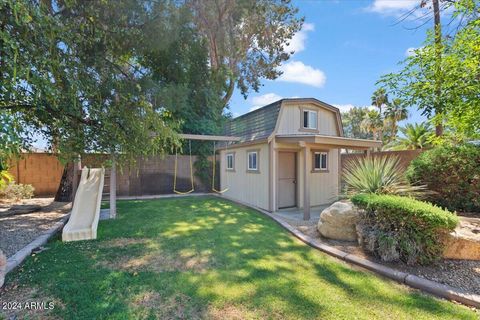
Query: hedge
[
  {"x": 452, "y": 173},
  {"x": 404, "y": 228}
]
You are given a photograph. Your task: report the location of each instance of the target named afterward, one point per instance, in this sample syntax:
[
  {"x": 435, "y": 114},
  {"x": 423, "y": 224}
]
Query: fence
[
  {"x": 405, "y": 156},
  {"x": 149, "y": 176}
]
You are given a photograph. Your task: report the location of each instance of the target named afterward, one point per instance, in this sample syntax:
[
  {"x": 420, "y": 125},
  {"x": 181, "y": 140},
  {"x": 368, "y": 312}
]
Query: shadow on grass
[{"x": 250, "y": 265}]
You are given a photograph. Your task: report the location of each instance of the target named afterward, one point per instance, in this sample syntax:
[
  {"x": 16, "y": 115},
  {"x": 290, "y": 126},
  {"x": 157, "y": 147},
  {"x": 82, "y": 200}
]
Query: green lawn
[{"x": 195, "y": 257}]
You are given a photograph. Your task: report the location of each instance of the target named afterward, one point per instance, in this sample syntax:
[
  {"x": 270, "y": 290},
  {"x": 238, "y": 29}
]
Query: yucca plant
[{"x": 380, "y": 175}]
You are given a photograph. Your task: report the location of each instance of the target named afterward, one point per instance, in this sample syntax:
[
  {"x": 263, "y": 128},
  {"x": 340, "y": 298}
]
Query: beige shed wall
[
  {"x": 324, "y": 186},
  {"x": 251, "y": 188},
  {"x": 290, "y": 120}
]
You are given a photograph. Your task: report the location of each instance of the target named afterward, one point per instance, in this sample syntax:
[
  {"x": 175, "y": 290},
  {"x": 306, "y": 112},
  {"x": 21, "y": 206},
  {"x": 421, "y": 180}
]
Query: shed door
[{"x": 286, "y": 179}]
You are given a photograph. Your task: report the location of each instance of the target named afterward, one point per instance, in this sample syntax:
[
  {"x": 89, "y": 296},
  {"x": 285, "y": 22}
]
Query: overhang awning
[{"x": 331, "y": 141}]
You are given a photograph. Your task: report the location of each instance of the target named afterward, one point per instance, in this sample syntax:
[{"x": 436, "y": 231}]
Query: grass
[{"x": 196, "y": 258}]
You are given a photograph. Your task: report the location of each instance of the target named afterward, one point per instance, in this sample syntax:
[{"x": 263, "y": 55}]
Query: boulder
[
  {"x": 3, "y": 267},
  {"x": 338, "y": 221},
  {"x": 464, "y": 241}
]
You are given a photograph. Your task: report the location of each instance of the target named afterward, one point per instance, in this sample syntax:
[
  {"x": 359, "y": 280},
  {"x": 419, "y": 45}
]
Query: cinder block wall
[
  {"x": 148, "y": 176},
  {"x": 42, "y": 170}
]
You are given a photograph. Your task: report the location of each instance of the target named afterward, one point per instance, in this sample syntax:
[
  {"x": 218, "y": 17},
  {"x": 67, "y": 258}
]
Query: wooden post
[
  {"x": 77, "y": 167},
  {"x": 306, "y": 184},
  {"x": 113, "y": 189}
]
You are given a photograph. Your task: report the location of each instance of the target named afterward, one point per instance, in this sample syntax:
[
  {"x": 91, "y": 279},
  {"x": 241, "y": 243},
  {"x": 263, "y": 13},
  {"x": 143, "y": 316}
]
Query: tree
[
  {"x": 352, "y": 123},
  {"x": 246, "y": 39},
  {"x": 372, "y": 123},
  {"x": 415, "y": 136},
  {"x": 70, "y": 71},
  {"x": 442, "y": 77},
  {"x": 395, "y": 112},
  {"x": 379, "y": 100}
]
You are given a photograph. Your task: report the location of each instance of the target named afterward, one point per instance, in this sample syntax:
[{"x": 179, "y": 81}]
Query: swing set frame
[{"x": 191, "y": 137}]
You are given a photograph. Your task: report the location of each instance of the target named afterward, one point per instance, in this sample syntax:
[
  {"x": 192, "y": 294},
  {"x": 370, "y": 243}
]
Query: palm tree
[
  {"x": 415, "y": 136},
  {"x": 379, "y": 99},
  {"x": 372, "y": 123},
  {"x": 395, "y": 112}
]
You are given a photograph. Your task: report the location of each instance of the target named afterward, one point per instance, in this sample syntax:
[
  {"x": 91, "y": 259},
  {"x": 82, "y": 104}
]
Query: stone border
[
  {"x": 432, "y": 287},
  {"x": 15, "y": 260}
]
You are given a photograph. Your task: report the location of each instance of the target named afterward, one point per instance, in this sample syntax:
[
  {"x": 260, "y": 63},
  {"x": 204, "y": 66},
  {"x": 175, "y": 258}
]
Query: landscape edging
[
  {"x": 432, "y": 287},
  {"x": 15, "y": 260}
]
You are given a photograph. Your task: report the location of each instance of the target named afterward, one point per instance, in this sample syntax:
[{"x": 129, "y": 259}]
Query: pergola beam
[{"x": 208, "y": 137}]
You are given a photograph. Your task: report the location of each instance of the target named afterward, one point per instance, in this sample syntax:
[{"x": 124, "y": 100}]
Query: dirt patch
[
  {"x": 16, "y": 231},
  {"x": 157, "y": 260},
  {"x": 19, "y": 302},
  {"x": 178, "y": 306},
  {"x": 230, "y": 312}
]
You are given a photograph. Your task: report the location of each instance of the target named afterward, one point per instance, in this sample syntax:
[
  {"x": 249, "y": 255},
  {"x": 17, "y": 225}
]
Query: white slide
[{"x": 86, "y": 207}]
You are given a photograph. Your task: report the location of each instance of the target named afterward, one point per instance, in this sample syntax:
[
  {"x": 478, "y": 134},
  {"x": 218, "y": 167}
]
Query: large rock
[
  {"x": 338, "y": 221},
  {"x": 464, "y": 241},
  {"x": 3, "y": 267}
]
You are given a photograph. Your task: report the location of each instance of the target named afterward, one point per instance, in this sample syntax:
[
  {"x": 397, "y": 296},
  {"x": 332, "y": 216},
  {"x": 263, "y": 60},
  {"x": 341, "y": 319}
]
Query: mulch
[
  {"x": 462, "y": 274},
  {"x": 19, "y": 229}
]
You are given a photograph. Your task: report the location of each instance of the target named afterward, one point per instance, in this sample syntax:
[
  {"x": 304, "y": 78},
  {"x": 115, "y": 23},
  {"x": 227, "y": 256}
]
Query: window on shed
[
  {"x": 320, "y": 160},
  {"x": 230, "y": 161},
  {"x": 253, "y": 160},
  {"x": 309, "y": 119}
]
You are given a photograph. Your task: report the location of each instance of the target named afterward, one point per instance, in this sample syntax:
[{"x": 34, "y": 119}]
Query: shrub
[
  {"x": 395, "y": 227},
  {"x": 381, "y": 175},
  {"x": 17, "y": 191},
  {"x": 453, "y": 173},
  {"x": 5, "y": 179}
]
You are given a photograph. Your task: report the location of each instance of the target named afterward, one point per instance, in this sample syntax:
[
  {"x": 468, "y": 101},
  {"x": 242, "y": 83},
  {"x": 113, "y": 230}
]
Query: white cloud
[
  {"x": 263, "y": 100},
  {"x": 348, "y": 106},
  {"x": 297, "y": 43},
  {"x": 392, "y": 7},
  {"x": 297, "y": 71},
  {"x": 411, "y": 51}
]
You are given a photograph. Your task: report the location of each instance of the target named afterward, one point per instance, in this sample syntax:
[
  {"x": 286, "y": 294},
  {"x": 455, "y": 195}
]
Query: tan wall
[
  {"x": 290, "y": 120},
  {"x": 324, "y": 186},
  {"x": 152, "y": 175},
  {"x": 251, "y": 188},
  {"x": 406, "y": 156},
  {"x": 42, "y": 170}
]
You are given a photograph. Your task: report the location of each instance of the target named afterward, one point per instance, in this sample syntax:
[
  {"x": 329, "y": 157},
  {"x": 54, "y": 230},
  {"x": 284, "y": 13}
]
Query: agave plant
[{"x": 380, "y": 175}]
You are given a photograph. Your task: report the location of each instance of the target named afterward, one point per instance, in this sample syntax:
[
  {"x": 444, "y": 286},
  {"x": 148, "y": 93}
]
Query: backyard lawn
[{"x": 203, "y": 257}]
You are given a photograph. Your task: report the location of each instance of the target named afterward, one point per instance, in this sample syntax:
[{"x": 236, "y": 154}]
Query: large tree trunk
[
  {"x": 64, "y": 192},
  {"x": 438, "y": 67}
]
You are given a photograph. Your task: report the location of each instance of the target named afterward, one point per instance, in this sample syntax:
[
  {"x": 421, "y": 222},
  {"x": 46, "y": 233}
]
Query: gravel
[
  {"x": 19, "y": 230},
  {"x": 461, "y": 274}
]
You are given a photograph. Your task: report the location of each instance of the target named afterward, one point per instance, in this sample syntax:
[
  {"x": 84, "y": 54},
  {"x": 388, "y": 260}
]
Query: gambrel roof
[{"x": 260, "y": 123}]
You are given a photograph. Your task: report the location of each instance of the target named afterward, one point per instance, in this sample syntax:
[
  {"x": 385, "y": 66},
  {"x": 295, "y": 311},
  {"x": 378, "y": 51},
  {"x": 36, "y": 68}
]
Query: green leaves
[{"x": 449, "y": 96}]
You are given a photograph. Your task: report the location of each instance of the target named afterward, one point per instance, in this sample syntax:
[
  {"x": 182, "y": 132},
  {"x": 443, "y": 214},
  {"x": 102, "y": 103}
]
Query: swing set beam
[{"x": 208, "y": 137}]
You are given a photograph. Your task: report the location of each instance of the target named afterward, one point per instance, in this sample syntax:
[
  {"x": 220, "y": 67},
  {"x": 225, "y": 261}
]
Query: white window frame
[
  {"x": 321, "y": 168},
  {"x": 311, "y": 114},
  {"x": 249, "y": 168},
  {"x": 228, "y": 155}
]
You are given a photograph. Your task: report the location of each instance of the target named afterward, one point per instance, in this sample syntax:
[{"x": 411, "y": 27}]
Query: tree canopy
[
  {"x": 123, "y": 76},
  {"x": 446, "y": 90}
]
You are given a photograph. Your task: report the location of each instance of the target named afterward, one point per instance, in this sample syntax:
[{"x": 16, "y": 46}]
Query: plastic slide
[{"x": 86, "y": 207}]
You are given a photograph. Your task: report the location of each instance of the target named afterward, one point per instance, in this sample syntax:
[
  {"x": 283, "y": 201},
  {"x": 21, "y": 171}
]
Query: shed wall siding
[
  {"x": 323, "y": 185},
  {"x": 251, "y": 188},
  {"x": 290, "y": 120}
]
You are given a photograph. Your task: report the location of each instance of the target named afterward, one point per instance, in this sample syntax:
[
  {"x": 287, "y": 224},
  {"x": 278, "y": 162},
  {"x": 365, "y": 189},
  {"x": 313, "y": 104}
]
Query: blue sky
[{"x": 342, "y": 50}]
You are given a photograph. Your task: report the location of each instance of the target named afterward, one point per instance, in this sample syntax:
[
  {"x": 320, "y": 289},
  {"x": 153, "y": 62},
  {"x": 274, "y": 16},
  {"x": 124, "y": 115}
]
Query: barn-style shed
[{"x": 288, "y": 155}]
